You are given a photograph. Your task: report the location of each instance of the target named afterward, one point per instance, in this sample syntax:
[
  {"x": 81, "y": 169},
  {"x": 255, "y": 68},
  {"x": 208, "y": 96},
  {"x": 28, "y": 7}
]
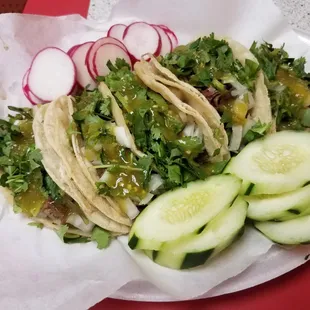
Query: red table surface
[{"x": 287, "y": 292}]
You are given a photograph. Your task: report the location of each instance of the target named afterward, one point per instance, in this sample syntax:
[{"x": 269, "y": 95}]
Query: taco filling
[
  {"x": 226, "y": 74},
  {"x": 35, "y": 194},
  {"x": 172, "y": 151},
  {"x": 288, "y": 86}
]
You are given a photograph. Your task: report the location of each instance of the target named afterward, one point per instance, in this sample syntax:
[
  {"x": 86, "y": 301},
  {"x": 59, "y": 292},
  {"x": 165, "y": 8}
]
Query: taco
[
  {"x": 134, "y": 140},
  {"x": 288, "y": 86},
  {"x": 38, "y": 187},
  {"x": 56, "y": 124},
  {"x": 223, "y": 81}
]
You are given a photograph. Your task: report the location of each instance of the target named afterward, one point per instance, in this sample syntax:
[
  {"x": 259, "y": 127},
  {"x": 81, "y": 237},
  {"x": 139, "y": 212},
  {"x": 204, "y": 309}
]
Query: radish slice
[
  {"x": 92, "y": 51},
  {"x": 163, "y": 26},
  {"x": 171, "y": 34},
  {"x": 166, "y": 44},
  {"x": 141, "y": 38},
  {"x": 117, "y": 31},
  {"x": 108, "y": 52},
  {"x": 72, "y": 50},
  {"x": 78, "y": 56},
  {"x": 52, "y": 74},
  {"x": 28, "y": 94},
  {"x": 75, "y": 89}
]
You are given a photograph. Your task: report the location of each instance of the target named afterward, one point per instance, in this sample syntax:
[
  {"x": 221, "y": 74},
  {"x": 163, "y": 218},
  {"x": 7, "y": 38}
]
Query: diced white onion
[
  {"x": 239, "y": 89},
  {"x": 146, "y": 199},
  {"x": 192, "y": 130},
  {"x": 129, "y": 208},
  {"x": 198, "y": 132},
  {"x": 121, "y": 136},
  {"x": 105, "y": 177},
  {"x": 236, "y": 138},
  {"x": 155, "y": 182},
  {"x": 188, "y": 130},
  {"x": 76, "y": 221}
]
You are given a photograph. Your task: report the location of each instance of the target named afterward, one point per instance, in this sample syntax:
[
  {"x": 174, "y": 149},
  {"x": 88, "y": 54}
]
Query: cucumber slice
[
  {"x": 246, "y": 186},
  {"x": 195, "y": 249},
  {"x": 182, "y": 211},
  {"x": 275, "y": 164},
  {"x": 296, "y": 231},
  {"x": 290, "y": 215},
  {"x": 275, "y": 207}
]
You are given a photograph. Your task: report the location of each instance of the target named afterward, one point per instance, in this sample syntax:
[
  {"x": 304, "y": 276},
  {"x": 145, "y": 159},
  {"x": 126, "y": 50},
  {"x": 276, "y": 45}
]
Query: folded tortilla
[
  {"x": 214, "y": 147},
  {"x": 51, "y": 124},
  {"x": 261, "y": 111}
]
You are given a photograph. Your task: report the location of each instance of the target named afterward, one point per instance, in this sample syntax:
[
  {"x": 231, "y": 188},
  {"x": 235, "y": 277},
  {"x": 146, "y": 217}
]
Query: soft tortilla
[
  {"x": 212, "y": 145},
  {"x": 57, "y": 171},
  {"x": 56, "y": 123},
  {"x": 192, "y": 96}
]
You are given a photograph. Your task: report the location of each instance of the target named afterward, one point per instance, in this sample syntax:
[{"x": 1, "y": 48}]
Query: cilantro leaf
[
  {"x": 105, "y": 107},
  {"x": 119, "y": 64},
  {"x": 35, "y": 224},
  {"x": 205, "y": 62},
  {"x": 17, "y": 209},
  {"x": 102, "y": 237},
  {"x": 174, "y": 174},
  {"x": 70, "y": 239},
  {"x": 258, "y": 130},
  {"x": 145, "y": 163},
  {"x": 52, "y": 188},
  {"x": 62, "y": 231},
  {"x": 23, "y": 113}
]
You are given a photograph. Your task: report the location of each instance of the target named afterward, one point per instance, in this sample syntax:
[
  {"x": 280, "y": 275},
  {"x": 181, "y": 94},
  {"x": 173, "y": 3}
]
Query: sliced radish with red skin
[
  {"x": 166, "y": 44},
  {"x": 78, "y": 56},
  {"x": 75, "y": 90},
  {"x": 163, "y": 26},
  {"x": 172, "y": 36},
  {"x": 72, "y": 50},
  {"x": 52, "y": 74},
  {"x": 28, "y": 94},
  {"x": 117, "y": 31},
  {"x": 92, "y": 51},
  {"x": 108, "y": 52},
  {"x": 141, "y": 38}
]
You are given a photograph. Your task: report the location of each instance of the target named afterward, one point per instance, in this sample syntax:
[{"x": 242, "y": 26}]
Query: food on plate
[
  {"x": 40, "y": 188},
  {"x": 196, "y": 248},
  {"x": 294, "y": 231},
  {"x": 183, "y": 211},
  {"x": 288, "y": 86},
  {"x": 226, "y": 79},
  {"x": 275, "y": 164},
  {"x": 174, "y": 145},
  {"x": 132, "y": 144}
]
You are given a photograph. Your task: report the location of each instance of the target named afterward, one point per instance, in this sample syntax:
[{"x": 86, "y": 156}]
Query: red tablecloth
[{"x": 288, "y": 292}]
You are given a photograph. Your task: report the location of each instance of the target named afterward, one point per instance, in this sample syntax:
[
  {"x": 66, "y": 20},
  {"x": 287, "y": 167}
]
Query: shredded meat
[
  {"x": 215, "y": 97},
  {"x": 55, "y": 211}
]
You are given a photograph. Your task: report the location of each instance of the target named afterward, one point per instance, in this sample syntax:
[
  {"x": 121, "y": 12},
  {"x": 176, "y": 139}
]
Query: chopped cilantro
[
  {"x": 207, "y": 61},
  {"x": 258, "y": 130},
  {"x": 288, "y": 85},
  {"x": 102, "y": 237},
  {"x": 52, "y": 188},
  {"x": 35, "y": 224}
]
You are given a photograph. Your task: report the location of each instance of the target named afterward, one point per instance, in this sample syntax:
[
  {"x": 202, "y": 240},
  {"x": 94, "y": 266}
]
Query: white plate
[{"x": 266, "y": 267}]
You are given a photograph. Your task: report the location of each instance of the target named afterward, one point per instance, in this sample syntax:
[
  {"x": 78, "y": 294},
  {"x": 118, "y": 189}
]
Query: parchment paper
[{"x": 38, "y": 271}]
